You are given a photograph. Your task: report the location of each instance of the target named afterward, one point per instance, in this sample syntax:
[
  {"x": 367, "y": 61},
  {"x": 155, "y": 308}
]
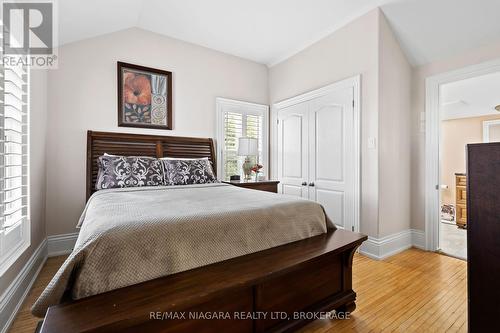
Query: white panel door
[
  {"x": 293, "y": 150},
  {"x": 331, "y": 149}
]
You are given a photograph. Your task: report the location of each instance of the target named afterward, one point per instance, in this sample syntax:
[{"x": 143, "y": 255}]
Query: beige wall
[
  {"x": 419, "y": 75},
  {"x": 82, "y": 96},
  {"x": 455, "y": 135},
  {"x": 394, "y": 139},
  {"x": 38, "y": 131},
  {"x": 349, "y": 51},
  {"x": 366, "y": 46}
]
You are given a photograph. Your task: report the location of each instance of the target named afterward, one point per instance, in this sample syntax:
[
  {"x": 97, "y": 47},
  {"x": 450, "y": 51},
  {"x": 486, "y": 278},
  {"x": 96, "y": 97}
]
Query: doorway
[
  {"x": 461, "y": 109},
  {"x": 316, "y": 149}
]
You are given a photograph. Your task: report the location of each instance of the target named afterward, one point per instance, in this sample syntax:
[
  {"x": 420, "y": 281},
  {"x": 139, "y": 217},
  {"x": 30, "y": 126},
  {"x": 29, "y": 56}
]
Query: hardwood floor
[
  {"x": 414, "y": 291},
  {"x": 25, "y": 321}
]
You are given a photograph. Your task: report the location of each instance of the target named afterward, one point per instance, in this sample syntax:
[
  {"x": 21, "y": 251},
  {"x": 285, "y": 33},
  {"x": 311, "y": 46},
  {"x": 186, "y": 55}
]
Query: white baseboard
[
  {"x": 384, "y": 247},
  {"x": 59, "y": 245},
  {"x": 12, "y": 299},
  {"x": 418, "y": 239}
]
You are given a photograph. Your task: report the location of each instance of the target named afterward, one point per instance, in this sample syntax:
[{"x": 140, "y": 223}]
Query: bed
[{"x": 157, "y": 259}]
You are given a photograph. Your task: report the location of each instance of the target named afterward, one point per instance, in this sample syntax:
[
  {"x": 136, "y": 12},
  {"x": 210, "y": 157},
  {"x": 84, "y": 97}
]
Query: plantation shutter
[
  {"x": 14, "y": 191},
  {"x": 236, "y": 125},
  {"x": 236, "y": 119},
  {"x": 233, "y": 130},
  {"x": 253, "y": 129}
]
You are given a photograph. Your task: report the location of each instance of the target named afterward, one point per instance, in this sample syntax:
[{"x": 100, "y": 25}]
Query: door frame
[
  {"x": 245, "y": 108},
  {"x": 486, "y": 129},
  {"x": 353, "y": 82},
  {"x": 433, "y": 142}
]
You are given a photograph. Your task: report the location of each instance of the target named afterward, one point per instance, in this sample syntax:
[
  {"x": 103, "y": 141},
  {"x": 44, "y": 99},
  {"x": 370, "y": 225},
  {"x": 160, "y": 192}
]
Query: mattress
[{"x": 131, "y": 235}]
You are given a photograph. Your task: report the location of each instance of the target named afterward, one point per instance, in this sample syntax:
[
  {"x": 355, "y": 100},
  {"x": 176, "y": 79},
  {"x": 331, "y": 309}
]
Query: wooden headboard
[{"x": 99, "y": 143}]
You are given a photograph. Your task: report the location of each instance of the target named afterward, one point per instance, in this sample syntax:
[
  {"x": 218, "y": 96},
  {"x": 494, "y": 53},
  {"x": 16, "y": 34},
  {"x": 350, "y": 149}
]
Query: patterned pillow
[
  {"x": 128, "y": 171},
  {"x": 184, "y": 171}
]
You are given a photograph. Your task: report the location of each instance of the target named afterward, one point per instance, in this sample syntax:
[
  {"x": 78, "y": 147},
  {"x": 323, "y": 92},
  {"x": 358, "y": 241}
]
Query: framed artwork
[{"x": 144, "y": 97}]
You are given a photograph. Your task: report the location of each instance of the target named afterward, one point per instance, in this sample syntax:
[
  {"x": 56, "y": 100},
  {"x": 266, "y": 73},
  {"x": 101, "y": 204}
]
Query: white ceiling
[
  {"x": 429, "y": 30},
  {"x": 269, "y": 31},
  {"x": 472, "y": 97}
]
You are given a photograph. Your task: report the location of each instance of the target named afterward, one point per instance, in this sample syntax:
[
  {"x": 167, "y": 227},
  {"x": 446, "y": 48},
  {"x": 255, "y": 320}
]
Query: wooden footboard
[{"x": 275, "y": 290}]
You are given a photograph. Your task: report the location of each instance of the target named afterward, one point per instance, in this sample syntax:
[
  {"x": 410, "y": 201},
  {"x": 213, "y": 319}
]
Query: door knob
[
  {"x": 304, "y": 183},
  {"x": 311, "y": 184}
]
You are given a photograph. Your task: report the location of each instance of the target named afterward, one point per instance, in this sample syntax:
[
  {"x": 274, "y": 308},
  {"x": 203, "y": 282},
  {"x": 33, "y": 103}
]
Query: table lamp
[{"x": 247, "y": 147}]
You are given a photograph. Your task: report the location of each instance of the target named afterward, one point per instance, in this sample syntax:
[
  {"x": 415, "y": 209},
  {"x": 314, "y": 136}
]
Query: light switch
[{"x": 372, "y": 143}]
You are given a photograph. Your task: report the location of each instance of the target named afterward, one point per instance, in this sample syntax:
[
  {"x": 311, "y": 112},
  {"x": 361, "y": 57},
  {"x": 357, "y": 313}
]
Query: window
[
  {"x": 14, "y": 190},
  {"x": 237, "y": 119}
]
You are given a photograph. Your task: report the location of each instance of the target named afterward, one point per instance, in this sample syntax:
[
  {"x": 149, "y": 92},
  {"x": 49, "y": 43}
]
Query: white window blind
[
  {"x": 14, "y": 191},
  {"x": 238, "y": 119},
  {"x": 233, "y": 129}
]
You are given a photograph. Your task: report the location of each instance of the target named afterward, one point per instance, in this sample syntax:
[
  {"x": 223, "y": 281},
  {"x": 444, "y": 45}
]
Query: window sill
[{"x": 9, "y": 258}]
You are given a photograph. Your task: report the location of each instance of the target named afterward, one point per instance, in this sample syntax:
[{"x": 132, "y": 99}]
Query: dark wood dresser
[
  {"x": 483, "y": 236},
  {"x": 261, "y": 185}
]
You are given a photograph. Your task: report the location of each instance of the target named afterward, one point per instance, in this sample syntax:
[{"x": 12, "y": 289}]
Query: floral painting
[{"x": 144, "y": 97}]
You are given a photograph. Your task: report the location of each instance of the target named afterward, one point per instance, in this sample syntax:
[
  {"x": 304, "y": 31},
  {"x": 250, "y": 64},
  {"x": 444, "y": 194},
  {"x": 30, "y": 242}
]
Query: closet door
[
  {"x": 331, "y": 175},
  {"x": 293, "y": 150}
]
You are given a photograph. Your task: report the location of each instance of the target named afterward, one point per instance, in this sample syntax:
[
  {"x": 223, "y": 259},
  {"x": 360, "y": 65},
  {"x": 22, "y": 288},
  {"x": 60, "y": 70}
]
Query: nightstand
[{"x": 261, "y": 185}]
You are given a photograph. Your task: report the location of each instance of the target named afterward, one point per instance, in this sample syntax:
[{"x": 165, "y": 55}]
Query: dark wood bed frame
[
  {"x": 290, "y": 284},
  {"x": 99, "y": 143}
]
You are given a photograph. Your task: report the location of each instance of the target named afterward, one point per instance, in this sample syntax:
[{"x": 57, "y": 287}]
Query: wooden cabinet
[
  {"x": 483, "y": 236},
  {"x": 262, "y": 185},
  {"x": 461, "y": 199}
]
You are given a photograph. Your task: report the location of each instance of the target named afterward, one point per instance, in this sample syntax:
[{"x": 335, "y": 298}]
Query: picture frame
[{"x": 144, "y": 97}]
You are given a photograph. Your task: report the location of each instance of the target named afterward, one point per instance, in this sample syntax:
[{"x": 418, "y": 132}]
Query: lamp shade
[{"x": 248, "y": 146}]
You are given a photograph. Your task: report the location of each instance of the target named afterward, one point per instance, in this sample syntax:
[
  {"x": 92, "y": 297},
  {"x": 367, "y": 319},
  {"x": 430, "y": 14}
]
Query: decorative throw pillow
[
  {"x": 128, "y": 171},
  {"x": 184, "y": 171}
]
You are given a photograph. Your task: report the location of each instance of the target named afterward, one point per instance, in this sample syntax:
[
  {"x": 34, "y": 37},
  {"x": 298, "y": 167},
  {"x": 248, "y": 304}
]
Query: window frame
[
  {"x": 224, "y": 105},
  {"x": 9, "y": 257}
]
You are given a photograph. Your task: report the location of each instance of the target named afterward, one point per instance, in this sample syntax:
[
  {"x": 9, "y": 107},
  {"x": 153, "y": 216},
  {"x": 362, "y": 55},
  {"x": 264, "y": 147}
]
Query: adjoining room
[{"x": 469, "y": 114}]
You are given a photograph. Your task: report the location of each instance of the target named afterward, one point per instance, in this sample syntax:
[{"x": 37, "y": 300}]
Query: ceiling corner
[{"x": 140, "y": 12}]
